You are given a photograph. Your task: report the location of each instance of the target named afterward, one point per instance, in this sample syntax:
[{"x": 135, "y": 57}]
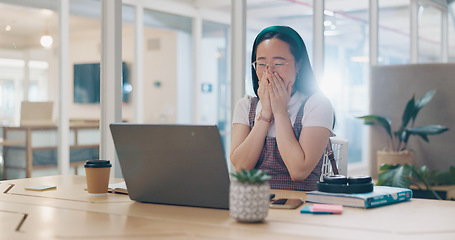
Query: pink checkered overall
[{"x": 271, "y": 161}]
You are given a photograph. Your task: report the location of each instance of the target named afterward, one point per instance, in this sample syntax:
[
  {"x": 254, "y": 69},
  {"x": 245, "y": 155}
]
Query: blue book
[{"x": 381, "y": 195}]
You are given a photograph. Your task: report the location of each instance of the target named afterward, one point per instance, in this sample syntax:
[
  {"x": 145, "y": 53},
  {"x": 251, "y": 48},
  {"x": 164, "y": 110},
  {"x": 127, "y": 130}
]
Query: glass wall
[
  {"x": 168, "y": 64},
  {"x": 28, "y": 69},
  {"x": 214, "y": 83},
  {"x": 451, "y": 18},
  {"x": 429, "y": 35},
  {"x": 394, "y": 32},
  {"x": 84, "y": 59},
  {"x": 128, "y": 62},
  {"x": 345, "y": 78},
  {"x": 27, "y": 47}
]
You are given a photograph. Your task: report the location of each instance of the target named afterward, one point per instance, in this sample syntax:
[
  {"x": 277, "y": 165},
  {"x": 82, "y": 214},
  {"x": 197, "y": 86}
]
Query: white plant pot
[{"x": 249, "y": 202}]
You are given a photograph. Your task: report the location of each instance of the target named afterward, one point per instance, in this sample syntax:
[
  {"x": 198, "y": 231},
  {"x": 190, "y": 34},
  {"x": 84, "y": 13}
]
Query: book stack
[{"x": 381, "y": 195}]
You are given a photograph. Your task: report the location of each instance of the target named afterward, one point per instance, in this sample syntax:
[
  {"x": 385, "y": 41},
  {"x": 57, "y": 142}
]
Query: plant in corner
[
  {"x": 422, "y": 178},
  {"x": 398, "y": 140},
  {"x": 249, "y": 195}
]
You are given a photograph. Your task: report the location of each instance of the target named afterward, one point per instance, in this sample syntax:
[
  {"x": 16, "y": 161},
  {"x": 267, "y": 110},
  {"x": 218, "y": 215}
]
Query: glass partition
[
  {"x": 451, "y": 18},
  {"x": 27, "y": 53},
  {"x": 128, "y": 42},
  {"x": 214, "y": 83},
  {"x": 429, "y": 34},
  {"x": 346, "y": 69},
  {"x": 168, "y": 64},
  {"x": 28, "y": 73},
  {"x": 394, "y": 32},
  {"x": 84, "y": 60}
]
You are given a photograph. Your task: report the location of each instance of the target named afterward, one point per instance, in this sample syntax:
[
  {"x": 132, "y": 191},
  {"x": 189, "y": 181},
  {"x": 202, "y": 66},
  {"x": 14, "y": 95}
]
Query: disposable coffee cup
[{"x": 97, "y": 173}]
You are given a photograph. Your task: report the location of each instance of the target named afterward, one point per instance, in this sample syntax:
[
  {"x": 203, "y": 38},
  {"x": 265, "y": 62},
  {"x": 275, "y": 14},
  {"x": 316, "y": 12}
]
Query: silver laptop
[{"x": 173, "y": 164}]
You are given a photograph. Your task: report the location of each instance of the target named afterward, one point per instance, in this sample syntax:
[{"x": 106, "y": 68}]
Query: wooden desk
[
  {"x": 69, "y": 213},
  {"x": 31, "y": 138}
]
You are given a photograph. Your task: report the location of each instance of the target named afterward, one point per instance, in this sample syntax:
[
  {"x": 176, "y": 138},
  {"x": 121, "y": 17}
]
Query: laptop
[
  {"x": 173, "y": 164},
  {"x": 37, "y": 114}
]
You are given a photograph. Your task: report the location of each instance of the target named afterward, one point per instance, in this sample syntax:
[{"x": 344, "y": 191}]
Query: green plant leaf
[
  {"x": 422, "y": 176},
  {"x": 395, "y": 176},
  {"x": 251, "y": 176},
  {"x": 424, "y": 171},
  {"x": 452, "y": 174},
  {"x": 421, "y": 102},
  {"x": 432, "y": 177},
  {"x": 404, "y": 175},
  {"x": 385, "y": 167},
  {"x": 399, "y": 139},
  {"x": 408, "y": 113},
  {"x": 428, "y": 130},
  {"x": 423, "y": 136},
  {"x": 442, "y": 178},
  {"x": 384, "y": 122},
  {"x": 402, "y": 136}
]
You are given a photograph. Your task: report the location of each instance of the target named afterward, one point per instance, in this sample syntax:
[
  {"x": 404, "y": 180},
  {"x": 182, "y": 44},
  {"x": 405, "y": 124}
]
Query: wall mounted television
[{"x": 87, "y": 83}]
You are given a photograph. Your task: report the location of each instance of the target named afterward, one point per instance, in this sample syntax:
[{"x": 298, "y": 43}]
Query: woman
[{"x": 286, "y": 129}]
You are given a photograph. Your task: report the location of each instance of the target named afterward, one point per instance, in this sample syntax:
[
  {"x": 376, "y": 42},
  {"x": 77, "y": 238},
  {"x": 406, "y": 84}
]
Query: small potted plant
[
  {"x": 249, "y": 196},
  {"x": 397, "y": 151}
]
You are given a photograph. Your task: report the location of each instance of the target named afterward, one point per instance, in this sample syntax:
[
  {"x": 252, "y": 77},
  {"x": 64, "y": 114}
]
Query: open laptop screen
[{"x": 173, "y": 164}]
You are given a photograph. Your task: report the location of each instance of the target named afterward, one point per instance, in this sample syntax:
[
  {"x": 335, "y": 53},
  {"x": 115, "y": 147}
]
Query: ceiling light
[
  {"x": 46, "y": 12},
  {"x": 8, "y": 28},
  {"x": 46, "y": 41},
  {"x": 329, "y": 13}
]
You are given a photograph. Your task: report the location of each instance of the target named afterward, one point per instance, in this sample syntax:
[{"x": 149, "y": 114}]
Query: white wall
[{"x": 160, "y": 65}]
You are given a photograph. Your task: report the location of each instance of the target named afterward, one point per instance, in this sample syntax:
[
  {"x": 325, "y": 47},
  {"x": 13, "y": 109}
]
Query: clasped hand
[{"x": 274, "y": 93}]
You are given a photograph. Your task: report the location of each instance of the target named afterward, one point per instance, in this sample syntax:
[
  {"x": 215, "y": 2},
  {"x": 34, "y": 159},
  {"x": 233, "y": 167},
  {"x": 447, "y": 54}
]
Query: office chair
[{"x": 340, "y": 151}]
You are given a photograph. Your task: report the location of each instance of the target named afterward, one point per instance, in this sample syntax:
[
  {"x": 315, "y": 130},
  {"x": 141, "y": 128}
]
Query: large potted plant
[
  {"x": 397, "y": 151},
  {"x": 249, "y": 196}
]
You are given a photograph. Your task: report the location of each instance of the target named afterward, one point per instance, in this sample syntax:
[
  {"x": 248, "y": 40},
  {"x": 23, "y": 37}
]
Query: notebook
[
  {"x": 37, "y": 114},
  {"x": 173, "y": 164}
]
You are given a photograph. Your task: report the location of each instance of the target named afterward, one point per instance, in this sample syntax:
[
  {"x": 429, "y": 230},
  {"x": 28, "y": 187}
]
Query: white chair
[{"x": 340, "y": 152}]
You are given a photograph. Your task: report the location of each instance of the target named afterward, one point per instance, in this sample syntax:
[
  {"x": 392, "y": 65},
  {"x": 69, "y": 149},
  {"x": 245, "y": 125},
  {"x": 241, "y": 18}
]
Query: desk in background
[
  {"x": 20, "y": 143},
  {"x": 69, "y": 213}
]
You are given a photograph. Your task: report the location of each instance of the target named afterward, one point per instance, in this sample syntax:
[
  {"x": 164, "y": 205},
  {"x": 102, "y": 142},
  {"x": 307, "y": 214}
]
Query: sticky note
[
  {"x": 41, "y": 187},
  {"x": 309, "y": 210},
  {"x": 322, "y": 209},
  {"x": 331, "y": 208}
]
